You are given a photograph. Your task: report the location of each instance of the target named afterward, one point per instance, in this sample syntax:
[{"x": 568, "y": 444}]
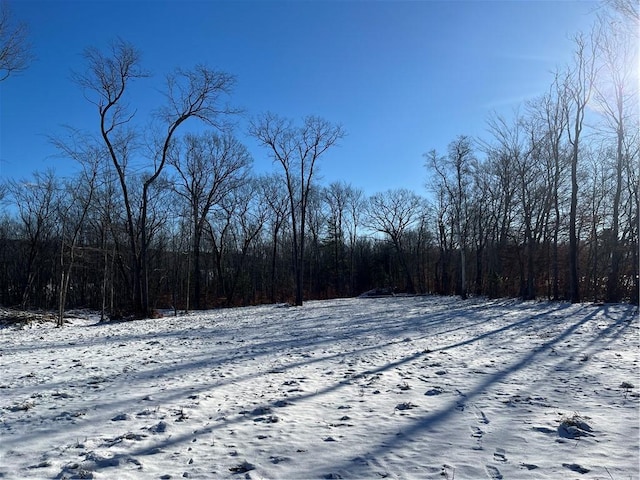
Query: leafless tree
[
  {"x": 520, "y": 141},
  {"x": 632, "y": 208},
  {"x": 550, "y": 111},
  {"x": 345, "y": 204},
  {"x": 454, "y": 175},
  {"x": 356, "y": 203},
  {"x": 598, "y": 190},
  {"x": 336, "y": 197},
  {"x": 15, "y": 50},
  {"x": 394, "y": 213},
  {"x": 482, "y": 219},
  {"x": 579, "y": 89},
  {"x": 616, "y": 92},
  {"x": 73, "y": 208},
  {"x": 36, "y": 200},
  {"x": 297, "y": 149},
  {"x": 209, "y": 167},
  {"x": 249, "y": 217},
  {"x": 497, "y": 178},
  {"x": 219, "y": 229},
  {"x": 274, "y": 195},
  {"x": 317, "y": 228},
  {"x": 196, "y": 93}
]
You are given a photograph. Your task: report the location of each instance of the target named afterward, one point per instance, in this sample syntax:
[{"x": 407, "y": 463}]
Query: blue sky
[{"x": 401, "y": 77}]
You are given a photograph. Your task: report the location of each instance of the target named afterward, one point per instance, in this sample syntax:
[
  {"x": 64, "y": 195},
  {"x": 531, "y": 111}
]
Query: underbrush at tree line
[{"x": 368, "y": 264}]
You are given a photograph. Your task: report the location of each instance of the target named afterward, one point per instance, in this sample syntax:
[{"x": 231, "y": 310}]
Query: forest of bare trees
[{"x": 544, "y": 206}]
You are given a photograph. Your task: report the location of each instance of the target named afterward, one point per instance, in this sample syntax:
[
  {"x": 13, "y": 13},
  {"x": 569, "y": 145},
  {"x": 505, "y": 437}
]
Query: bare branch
[
  {"x": 198, "y": 93},
  {"x": 629, "y": 9},
  {"x": 15, "y": 50}
]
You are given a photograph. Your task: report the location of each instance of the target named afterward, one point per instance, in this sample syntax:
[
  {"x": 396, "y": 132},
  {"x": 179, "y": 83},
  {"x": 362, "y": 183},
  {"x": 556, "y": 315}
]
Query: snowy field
[{"x": 404, "y": 387}]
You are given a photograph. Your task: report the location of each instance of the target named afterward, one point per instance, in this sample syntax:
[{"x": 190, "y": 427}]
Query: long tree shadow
[{"x": 426, "y": 423}]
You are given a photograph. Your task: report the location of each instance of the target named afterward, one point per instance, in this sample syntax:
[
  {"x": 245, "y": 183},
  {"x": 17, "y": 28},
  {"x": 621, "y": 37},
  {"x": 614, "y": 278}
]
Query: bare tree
[
  {"x": 297, "y": 150},
  {"x": 336, "y": 197},
  {"x": 189, "y": 94},
  {"x": 552, "y": 114},
  {"x": 345, "y": 205},
  {"x": 36, "y": 201},
  {"x": 579, "y": 88},
  {"x": 617, "y": 95},
  {"x": 498, "y": 180},
  {"x": 209, "y": 167},
  {"x": 455, "y": 176},
  {"x": 598, "y": 189},
  {"x": 632, "y": 208},
  {"x": 356, "y": 203},
  {"x": 15, "y": 51},
  {"x": 317, "y": 228},
  {"x": 250, "y": 214},
  {"x": 273, "y": 193},
  {"x": 481, "y": 220},
  {"x": 445, "y": 239},
  {"x": 73, "y": 208},
  {"x": 394, "y": 213},
  {"x": 521, "y": 141}
]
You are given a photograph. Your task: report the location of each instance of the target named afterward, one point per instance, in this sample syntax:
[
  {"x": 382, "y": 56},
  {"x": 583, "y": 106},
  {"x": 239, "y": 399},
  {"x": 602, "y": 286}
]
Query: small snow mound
[{"x": 405, "y": 406}]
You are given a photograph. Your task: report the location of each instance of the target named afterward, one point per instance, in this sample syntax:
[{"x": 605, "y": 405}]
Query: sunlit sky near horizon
[{"x": 401, "y": 77}]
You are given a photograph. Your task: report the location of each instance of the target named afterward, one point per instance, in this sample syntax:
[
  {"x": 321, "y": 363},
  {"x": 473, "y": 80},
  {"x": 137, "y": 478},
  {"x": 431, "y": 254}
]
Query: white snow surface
[{"x": 399, "y": 388}]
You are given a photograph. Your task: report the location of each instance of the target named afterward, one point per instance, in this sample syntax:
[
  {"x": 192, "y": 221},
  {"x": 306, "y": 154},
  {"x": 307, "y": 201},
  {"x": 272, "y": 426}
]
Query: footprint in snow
[
  {"x": 574, "y": 467},
  {"x": 477, "y": 433},
  {"x": 493, "y": 472},
  {"x": 434, "y": 391},
  {"x": 500, "y": 455},
  {"x": 276, "y": 460},
  {"x": 160, "y": 427},
  {"x": 405, "y": 406},
  {"x": 243, "y": 467},
  {"x": 482, "y": 418}
]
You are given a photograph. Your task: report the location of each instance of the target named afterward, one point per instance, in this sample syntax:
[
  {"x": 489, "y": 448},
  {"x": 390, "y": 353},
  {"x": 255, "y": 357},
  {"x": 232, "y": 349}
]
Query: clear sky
[{"x": 401, "y": 77}]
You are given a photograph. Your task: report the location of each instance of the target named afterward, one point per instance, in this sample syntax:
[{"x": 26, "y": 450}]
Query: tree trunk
[
  {"x": 197, "y": 292},
  {"x": 613, "y": 289},
  {"x": 574, "y": 280}
]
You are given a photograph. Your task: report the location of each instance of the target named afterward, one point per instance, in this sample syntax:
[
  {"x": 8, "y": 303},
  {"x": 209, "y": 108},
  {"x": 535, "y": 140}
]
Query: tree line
[{"x": 544, "y": 206}]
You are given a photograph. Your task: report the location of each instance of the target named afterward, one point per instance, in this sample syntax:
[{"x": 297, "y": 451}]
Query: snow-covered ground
[{"x": 404, "y": 387}]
